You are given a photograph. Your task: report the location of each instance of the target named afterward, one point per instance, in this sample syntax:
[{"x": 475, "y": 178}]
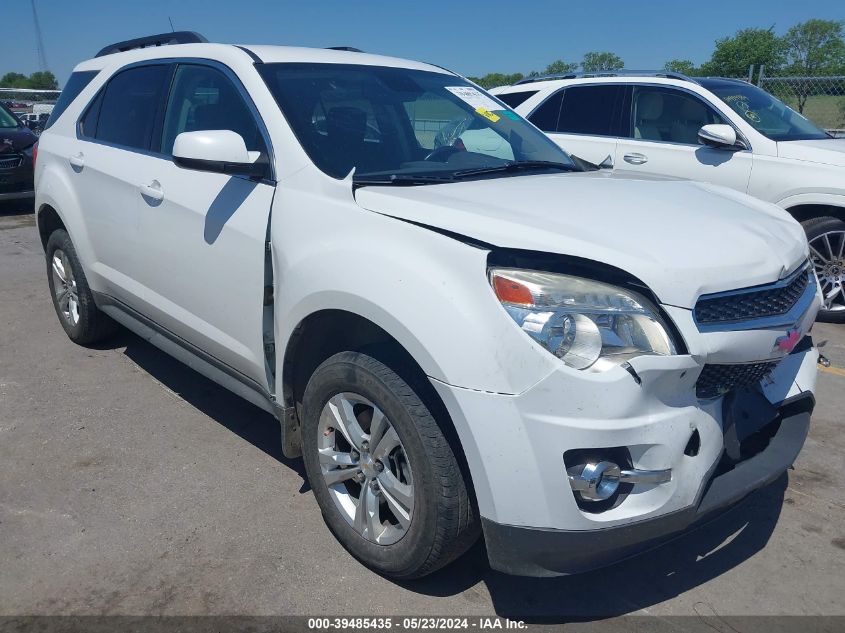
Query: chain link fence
[{"x": 820, "y": 99}]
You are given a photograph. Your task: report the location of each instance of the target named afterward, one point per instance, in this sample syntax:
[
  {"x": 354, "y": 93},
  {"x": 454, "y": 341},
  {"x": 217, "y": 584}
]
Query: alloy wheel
[
  {"x": 366, "y": 468},
  {"x": 828, "y": 254},
  {"x": 64, "y": 287}
]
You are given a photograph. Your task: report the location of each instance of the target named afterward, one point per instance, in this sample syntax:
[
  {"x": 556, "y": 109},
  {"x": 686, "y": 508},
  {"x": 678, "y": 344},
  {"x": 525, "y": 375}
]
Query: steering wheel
[{"x": 441, "y": 154}]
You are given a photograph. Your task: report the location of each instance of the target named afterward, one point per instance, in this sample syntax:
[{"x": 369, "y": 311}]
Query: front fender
[{"x": 428, "y": 291}]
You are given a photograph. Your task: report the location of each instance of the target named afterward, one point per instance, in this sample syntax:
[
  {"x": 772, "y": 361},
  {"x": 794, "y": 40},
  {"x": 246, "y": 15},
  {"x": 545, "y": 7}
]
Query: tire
[
  {"x": 442, "y": 522},
  {"x": 827, "y": 238},
  {"x": 80, "y": 317}
]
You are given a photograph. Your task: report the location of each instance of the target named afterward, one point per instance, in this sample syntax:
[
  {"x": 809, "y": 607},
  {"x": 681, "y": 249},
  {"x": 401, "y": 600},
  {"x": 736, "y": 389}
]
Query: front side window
[
  {"x": 128, "y": 109},
  {"x": 669, "y": 115},
  {"x": 769, "y": 116},
  {"x": 592, "y": 110},
  {"x": 203, "y": 98},
  {"x": 397, "y": 124}
]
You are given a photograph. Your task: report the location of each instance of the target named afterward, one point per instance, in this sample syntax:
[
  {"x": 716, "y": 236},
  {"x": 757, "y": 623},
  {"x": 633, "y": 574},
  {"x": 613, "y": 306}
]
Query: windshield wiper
[
  {"x": 515, "y": 166},
  {"x": 403, "y": 179}
]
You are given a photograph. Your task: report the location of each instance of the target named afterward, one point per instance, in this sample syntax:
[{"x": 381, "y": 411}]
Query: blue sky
[{"x": 469, "y": 37}]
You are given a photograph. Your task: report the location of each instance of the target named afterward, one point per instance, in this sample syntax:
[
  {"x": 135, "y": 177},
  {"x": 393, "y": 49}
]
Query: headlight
[{"x": 585, "y": 323}]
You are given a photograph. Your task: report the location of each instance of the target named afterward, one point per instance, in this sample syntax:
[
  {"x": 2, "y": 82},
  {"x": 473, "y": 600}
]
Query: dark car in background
[{"x": 16, "y": 162}]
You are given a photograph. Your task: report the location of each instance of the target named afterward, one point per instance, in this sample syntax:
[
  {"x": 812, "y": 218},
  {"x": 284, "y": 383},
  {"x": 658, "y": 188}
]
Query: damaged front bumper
[{"x": 685, "y": 458}]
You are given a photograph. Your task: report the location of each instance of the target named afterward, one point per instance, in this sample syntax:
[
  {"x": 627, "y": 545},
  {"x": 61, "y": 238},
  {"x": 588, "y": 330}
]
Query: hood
[
  {"x": 682, "y": 239},
  {"x": 830, "y": 151},
  {"x": 15, "y": 139}
]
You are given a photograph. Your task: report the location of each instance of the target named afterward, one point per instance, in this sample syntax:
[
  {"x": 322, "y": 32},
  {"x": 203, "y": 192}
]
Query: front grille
[
  {"x": 11, "y": 162},
  {"x": 773, "y": 300},
  {"x": 717, "y": 380}
]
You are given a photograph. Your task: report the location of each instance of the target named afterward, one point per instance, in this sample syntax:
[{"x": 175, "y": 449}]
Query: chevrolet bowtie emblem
[{"x": 788, "y": 341}]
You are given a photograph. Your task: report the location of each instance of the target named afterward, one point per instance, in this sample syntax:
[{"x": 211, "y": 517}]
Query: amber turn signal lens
[{"x": 510, "y": 291}]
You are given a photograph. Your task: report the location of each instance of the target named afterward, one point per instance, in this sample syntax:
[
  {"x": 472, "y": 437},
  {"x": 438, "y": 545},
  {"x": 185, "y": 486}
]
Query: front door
[
  {"x": 203, "y": 234},
  {"x": 663, "y": 140}
]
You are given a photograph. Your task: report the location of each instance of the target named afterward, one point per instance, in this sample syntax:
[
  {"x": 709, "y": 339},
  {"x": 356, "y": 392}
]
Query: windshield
[
  {"x": 7, "y": 119},
  {"x": 405, "y": 126},
  {"x": 764, "y": 113}
]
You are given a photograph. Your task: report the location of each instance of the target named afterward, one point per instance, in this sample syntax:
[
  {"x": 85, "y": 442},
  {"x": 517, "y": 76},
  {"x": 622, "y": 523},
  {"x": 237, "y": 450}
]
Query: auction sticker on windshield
[{"x": 473, "y": 97}]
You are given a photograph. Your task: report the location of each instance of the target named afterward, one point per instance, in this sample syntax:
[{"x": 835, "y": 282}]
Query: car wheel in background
[{"x": 826, "y": 236}]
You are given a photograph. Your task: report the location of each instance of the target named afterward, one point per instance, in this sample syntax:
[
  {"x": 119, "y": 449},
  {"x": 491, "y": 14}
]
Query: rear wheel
[
  {"x": 826, "y": 236},
  {"x": 72, "y": 298},
  {"x": 387, "y": 481}
]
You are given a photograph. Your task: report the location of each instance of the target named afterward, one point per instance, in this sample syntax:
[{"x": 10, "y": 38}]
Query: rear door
[
  {"x": 202, "y": 235},
  {"x": 662, "y": 139},
  {"x": 584, "y": 119},
  {"x": 114, "y": 135}
]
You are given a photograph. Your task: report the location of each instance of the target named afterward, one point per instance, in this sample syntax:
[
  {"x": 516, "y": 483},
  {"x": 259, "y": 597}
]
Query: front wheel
[
  {"x": 387, "y": 480},
  {"x": 826, "y": 236}
]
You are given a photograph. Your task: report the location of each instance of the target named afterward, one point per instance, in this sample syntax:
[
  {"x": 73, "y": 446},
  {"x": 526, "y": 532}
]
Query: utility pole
[{"x": 42, "y": 58}]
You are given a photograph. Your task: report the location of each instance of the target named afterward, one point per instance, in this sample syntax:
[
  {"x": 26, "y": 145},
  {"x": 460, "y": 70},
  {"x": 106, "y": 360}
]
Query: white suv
[
  {"x": 724, "y": 131},
  {"x": 576, "y": 364}
]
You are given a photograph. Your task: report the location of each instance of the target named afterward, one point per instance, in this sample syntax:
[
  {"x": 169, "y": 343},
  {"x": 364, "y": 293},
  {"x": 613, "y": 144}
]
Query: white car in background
[{"x": 724, "y": 131}]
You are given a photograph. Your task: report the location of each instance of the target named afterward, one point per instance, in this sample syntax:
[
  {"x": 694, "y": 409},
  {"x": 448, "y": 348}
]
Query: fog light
[
  {"x": 596, "y": 482},
  {"x": 600, "y": 481}
]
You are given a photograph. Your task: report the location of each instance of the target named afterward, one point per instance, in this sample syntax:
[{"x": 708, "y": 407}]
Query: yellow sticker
[{"x": 488, "y": 115}]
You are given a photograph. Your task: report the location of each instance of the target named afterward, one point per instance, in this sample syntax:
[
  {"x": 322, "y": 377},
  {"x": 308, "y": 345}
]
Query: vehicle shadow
[
  {"x": 242, "y": 418},
  {"x": 629, "y": 586}
]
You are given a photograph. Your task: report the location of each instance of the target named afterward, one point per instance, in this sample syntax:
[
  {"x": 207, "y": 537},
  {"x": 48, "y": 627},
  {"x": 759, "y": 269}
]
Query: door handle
[
  {"x": 152, "y": 192},
  {"x": 77, "y": 161},
  {"x": 635, "y": 159}
]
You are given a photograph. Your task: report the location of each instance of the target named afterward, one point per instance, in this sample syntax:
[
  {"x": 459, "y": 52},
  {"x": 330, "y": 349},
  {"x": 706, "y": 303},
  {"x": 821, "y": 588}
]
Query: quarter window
[
  {"x": 514, "y": 99},
  {"x": 129, "y": 106},
  {"x": 669, "y": 115},
  {"x": 203, "y": 98}
]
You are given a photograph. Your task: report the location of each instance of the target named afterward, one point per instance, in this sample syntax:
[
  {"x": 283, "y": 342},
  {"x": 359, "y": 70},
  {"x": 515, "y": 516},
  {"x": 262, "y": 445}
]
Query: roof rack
[
  {"x": 163, "y": 39},
  {"x": 350, "y": 49},
  {"x": 609, "y": 73}
]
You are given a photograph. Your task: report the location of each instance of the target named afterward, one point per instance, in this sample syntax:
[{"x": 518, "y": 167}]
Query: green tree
[
  {"x": 492, "y": 80},
  {"x": 14, "y": 80},
  {"x": 683, "y": 66},
  {"x": 733, "y": 55},
  {"x": 596, "y": 62},
  {"x": 43, "y": 80},
  {"x": 812, "y": 48},
  {"x": 815, "y": 47},
  {"x": 560, "y": 67}
]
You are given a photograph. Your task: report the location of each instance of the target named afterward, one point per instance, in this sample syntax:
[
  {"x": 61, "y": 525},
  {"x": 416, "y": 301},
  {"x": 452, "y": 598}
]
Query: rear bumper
[{"x": 546, "y": 552}]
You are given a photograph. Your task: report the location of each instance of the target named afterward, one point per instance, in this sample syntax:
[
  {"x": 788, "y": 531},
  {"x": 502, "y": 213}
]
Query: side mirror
[
  {"x": 719, "y": 136},
  {"x": 220, "y": 151}
]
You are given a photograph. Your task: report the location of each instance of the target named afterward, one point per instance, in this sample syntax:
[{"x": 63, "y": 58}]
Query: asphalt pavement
[{"x": 130, "y": 485}]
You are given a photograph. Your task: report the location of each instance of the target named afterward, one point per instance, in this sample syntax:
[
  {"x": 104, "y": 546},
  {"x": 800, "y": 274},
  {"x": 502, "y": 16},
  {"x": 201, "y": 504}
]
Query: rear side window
[
  {"x": 129, "y": 105},
  {"x": 593, "y": 110},
  {"x": 513, "y": 99},
  {"x": 545, "y": 117},
  {"x": 73, "y": 87}
]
